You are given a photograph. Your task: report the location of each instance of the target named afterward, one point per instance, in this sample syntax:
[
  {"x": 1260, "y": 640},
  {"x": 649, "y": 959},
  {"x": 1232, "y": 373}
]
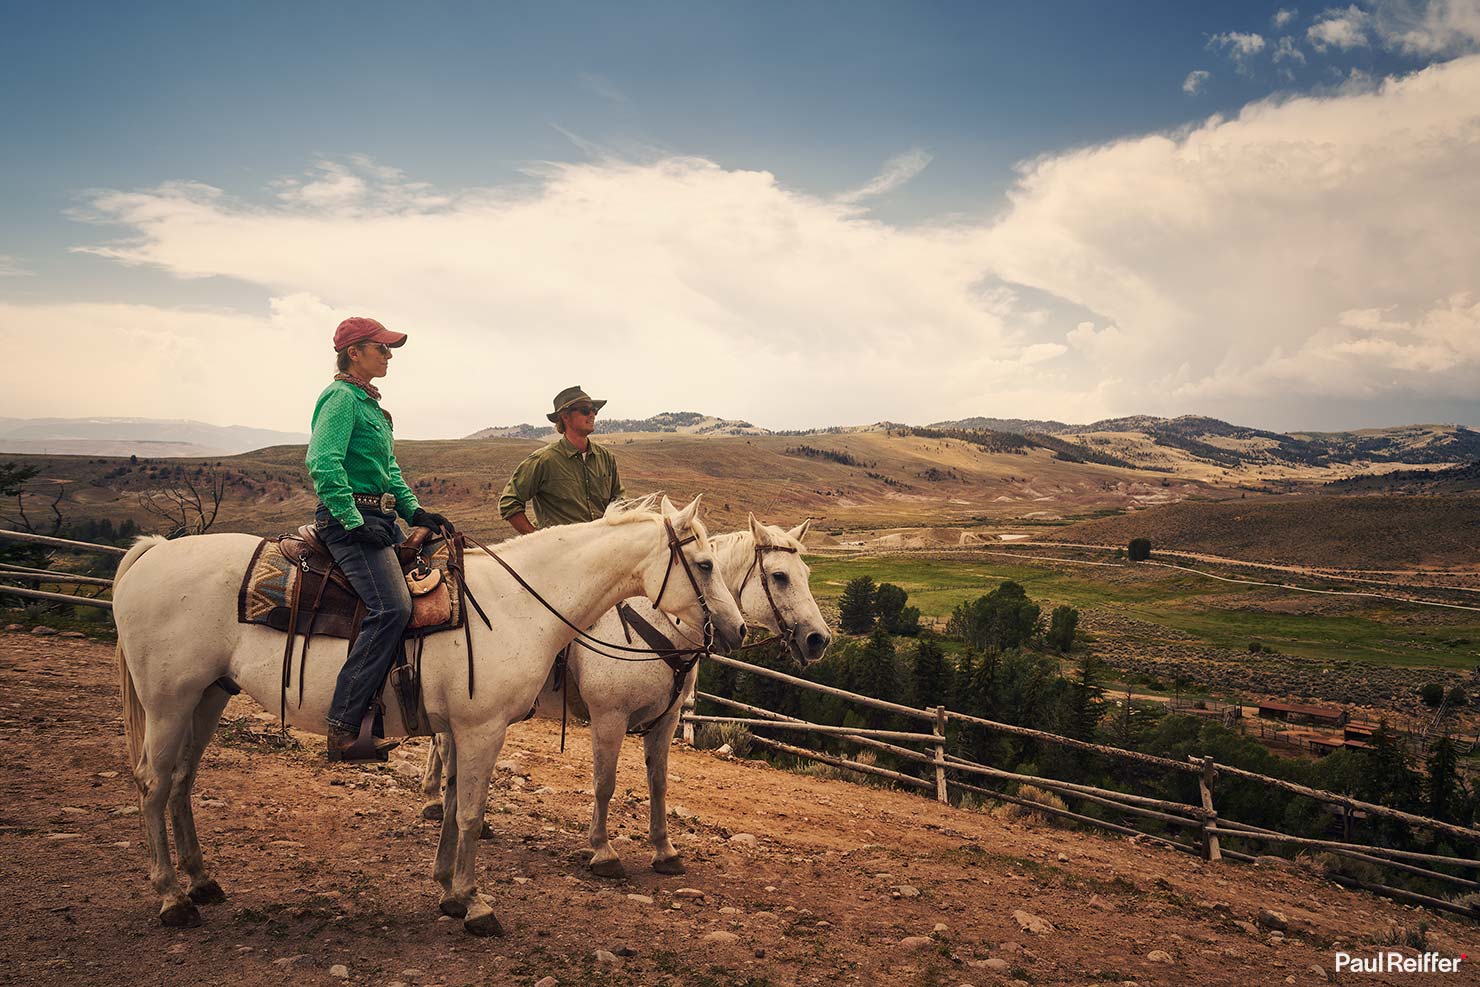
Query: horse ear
[
  {"x": 800, "y": 530},
  {"x": 667, "y": 508},
  {"x": 758, "y": 532}
]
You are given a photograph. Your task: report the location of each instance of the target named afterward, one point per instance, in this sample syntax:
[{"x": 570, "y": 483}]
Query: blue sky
[{"x": 778, "y": 110}]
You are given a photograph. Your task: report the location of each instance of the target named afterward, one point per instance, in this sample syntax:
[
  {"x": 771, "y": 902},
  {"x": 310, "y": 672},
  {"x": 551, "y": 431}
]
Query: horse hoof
[
  {"x": 432, "y": 810},
  {"x": 208, "y": 892},
  {"x": 486, "y": 833},
  {"x": 673, "y": 865},
  {"x": 455, "y": 907},
  {"x": 180, "y": 915},
  {"x": 609, "y": 868},
  {"x": 481, "y": 920}
]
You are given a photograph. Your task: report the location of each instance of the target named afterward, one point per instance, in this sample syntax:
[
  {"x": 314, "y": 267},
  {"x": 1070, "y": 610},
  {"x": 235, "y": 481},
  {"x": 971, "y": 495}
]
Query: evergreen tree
[
  {"x": 1005, "y": 618},
  {"x": 872, "y": 674},
  {"x": 1139, "y": 549},
  {"x": 1085, "y": 700},
  {"x": 933, "y": 685},
  {"x": 889, "y": 600},
  {"x": 856, "y": 608},
  {"x": 1443, "y": 785},
  {"x": 908, "y": 624},
  {"x": 1062, "y": 624}
]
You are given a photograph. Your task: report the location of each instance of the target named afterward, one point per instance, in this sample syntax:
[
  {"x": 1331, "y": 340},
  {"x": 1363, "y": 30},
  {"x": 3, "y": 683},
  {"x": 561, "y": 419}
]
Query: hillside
[
  {"x": 866, "y": 479},
  {"x": 681, "y": 422},
  {"x": 1372, "y": 532},
  {"x": 134, "y": 436},
  {"x": 1464, "y": 478}
]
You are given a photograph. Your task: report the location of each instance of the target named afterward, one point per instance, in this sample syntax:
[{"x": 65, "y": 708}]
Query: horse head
[{"x": 775, "y": 591}]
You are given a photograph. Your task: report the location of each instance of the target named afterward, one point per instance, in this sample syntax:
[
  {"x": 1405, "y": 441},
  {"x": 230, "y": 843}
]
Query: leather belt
[{"x": 384, "y": 503}]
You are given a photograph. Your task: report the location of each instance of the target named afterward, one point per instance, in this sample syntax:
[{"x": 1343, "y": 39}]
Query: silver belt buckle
[{"x": 387, "y": 503}]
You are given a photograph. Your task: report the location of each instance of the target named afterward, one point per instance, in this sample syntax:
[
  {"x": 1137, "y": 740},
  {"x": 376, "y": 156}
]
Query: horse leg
[
  {"x": 164, "y": 738},
  {"x": 447, "y": 843},
  {"x": 431, "y": 780},
  {"x": 607, "y": 730},
  {"x": 666, "y": 859},
  {"x": 203, "y": 889},
  {"x": 475, "y": 759}
]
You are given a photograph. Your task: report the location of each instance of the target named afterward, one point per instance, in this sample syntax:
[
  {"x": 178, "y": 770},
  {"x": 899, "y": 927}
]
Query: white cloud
[
  {"x": 1286, "y": 51},
  {"x": 1240, "y": 47},
  {"x": 11, "y": 267},
  {"x": 1196, "y": 79},
  {"x": 1428, "y": 27},
  {"x": 897, "y": 171},
  {"x": 1241, "y": 266},
  {"x": 1340, "y": 28},
  {"x": 1283, "y": 16}
]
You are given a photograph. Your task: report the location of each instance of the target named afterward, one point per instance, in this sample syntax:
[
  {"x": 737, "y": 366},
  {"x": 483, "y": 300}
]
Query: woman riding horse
[{"x": 361, "y": 492}]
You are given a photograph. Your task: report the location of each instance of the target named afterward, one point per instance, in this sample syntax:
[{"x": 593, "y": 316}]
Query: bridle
[
  {"x": 675, "y": 551},
  {"x": 786, "y": 633}
]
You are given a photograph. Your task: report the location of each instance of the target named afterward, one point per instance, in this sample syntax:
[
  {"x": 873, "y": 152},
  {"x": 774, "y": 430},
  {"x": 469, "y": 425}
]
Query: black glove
[
  {"x": 372, "y": 537},
  {"x": 426, "y": 519}
]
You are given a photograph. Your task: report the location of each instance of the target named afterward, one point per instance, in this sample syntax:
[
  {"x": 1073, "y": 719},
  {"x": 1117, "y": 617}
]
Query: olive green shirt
[
  {"x": 563, "y": 486},
  {"x": 350, "y": 453}
]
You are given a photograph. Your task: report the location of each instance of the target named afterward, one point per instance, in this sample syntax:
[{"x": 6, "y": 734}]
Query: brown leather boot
[{"x": 345, "y": 745}]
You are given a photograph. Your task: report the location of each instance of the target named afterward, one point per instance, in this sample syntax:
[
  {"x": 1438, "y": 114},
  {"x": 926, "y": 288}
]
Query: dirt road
[{"x": 841, "y": 884}]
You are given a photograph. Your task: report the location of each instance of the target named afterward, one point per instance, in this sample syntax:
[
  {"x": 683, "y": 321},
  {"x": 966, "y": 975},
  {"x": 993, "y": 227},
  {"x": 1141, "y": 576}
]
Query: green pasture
[{"x": 1378, "y": 631}]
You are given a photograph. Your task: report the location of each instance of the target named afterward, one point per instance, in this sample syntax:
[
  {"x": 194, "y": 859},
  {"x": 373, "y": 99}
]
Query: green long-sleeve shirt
[
  {"x": 563, "y": 486},
  {"x": 350, "y": 453}
]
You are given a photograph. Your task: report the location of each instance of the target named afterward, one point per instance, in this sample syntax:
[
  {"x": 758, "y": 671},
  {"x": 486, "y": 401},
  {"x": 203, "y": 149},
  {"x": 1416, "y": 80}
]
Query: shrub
[
  {"x": 712, "y": 736},
  {"x": 856, "y": 608},
  {"x": 1139, "y": 550},
  {"x": 1011, "y": 810},
  {"x": 1458, "y": 697},
  {"x": 1255, "y": 647},
  {"x": 1432, "y": 694}
]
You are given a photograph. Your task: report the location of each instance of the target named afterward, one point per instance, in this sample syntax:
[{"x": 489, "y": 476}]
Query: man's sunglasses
[{"x": 583, "y": 409}]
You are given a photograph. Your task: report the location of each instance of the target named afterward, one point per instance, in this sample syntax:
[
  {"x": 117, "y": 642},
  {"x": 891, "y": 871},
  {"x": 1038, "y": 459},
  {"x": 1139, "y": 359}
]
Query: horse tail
[{"x": 133, "y": 710}]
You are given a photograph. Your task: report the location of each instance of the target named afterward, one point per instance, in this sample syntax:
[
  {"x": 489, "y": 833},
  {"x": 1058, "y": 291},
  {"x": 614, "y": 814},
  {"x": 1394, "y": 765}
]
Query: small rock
[
  {"x": 1268, "y": 918},
  {"x": 1248, "y": 927},
  {"x": 401, "y": 983},
  {"x": 512, "y": 765},
  {"x": 724, "y": 750},
  {"x": 1095, "y": 901},
  {"x": 72, "y": 634},
  {"x": 744, "y": 839},
  {"x": 911, "y": 943},
  {"x": 641, "y": 899},
  {"x": 719, "y": 938},
  {"x": 906, "y": 891},
  {"x": 996, "y": 965},
  {"x": 824, "y": 924},
  {"x": 1318, "y": 971},
  {"x": 107, "y": 774},
  {"x": 125, "y": 810},
  {"x": 72, "y": 810},
  {"x": 288, "y": 961},
  {"x": 1063, "y": 858},
  {"x": 412, "y": 973},
  {"x": 58, "y": 837},
  {"x": 626, "y": 951},
  {"x": 286, "y": 844},
  {"x": 688, "y": 893},
  {"x": 15, "y": 627},
  {"x": 729, "y": 910},
  {"x": 41, "y": 630},
  {"x": 1031, "y": 923},
  {"x": 547, "y": 982},
  {"x": 942, "y": 927},
  {"x": 679, "y": 812},
  {"x": 1160, "y": 956},
  {"x": 604, "y": 956},
  {"x": 339, "y": 970},
  {"x": 760, "y": 954}
]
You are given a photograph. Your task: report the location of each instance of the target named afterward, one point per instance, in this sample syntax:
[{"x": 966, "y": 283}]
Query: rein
[{"x": 595, "y": 644}]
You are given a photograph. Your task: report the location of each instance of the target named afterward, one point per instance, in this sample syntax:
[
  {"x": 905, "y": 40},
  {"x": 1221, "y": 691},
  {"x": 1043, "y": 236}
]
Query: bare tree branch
[{"x": 185, "y": 507}]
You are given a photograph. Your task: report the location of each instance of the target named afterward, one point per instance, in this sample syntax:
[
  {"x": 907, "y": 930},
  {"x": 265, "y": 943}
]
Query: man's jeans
[{"x": 376, "y": 576}]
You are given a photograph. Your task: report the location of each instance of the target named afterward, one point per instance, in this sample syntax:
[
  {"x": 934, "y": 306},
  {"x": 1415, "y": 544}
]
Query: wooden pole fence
[
  {"x": 1066, "y": 814},
  {"x": 841, "y": 762},
  {"x": 85, "y": 546},
  {"x": 812, "y": 727},
  {"x": 1253, "y": 833},
  {"x": 1462, "y": 882},
  {"x": 826, "y": 690},
  {"x": 36, "y": 594},
  {"x": 55, "y": 577}
]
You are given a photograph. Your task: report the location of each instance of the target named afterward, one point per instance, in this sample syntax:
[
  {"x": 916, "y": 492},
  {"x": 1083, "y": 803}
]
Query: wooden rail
[{"x": 82, "y": 546}]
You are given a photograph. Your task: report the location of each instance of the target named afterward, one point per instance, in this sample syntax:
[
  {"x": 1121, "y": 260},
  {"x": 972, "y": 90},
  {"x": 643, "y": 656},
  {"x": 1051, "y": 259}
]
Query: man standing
[{"x": 569, "y": 481}]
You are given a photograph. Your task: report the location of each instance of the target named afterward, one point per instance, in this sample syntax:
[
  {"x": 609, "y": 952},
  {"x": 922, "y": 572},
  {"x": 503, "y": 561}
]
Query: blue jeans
[{"x": 376, "y": 576}]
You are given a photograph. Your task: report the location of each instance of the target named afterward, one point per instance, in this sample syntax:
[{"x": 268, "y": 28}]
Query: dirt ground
[{"x": 326, "y": 866}]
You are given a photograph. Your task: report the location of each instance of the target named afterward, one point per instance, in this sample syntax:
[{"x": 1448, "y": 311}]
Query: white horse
[
  {"x": 762, "y": 567},
  {"x": 176, "y": 609}
]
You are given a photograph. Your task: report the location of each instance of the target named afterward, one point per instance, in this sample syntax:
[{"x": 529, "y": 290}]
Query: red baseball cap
[{"x": 358, "y": 329}]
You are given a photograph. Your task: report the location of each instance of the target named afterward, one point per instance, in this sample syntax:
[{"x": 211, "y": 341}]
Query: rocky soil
[{"x": 792, "y": 879}]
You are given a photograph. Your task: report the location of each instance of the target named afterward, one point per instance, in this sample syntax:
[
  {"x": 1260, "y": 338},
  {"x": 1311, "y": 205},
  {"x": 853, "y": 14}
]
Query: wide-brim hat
[
  {"x": 358, "y": 329},
  {"x": 570, "y": 396}
]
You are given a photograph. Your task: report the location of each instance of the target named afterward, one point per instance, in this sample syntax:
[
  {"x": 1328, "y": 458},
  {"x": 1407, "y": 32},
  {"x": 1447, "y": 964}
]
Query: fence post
[
  {"x": 941, "y": 795},
  {"x": 1211, "y": 853}
]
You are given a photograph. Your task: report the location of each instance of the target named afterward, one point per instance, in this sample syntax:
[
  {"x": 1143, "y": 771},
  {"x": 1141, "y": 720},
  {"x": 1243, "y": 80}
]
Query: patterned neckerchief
[{"x": 363, "y": 385}]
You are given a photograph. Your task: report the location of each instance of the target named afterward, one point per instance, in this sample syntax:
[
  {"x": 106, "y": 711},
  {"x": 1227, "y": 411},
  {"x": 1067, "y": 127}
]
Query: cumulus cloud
[
  {"x": 1428, "y": 27},
  {"x": 1241, "y": 47},
  {"x": 1258, "y": 267},
  {"x": 1284, "y": 16},
  {"x": 1340, "y": 28},
  {"x": 1196, "y": 79},
  {"x": 1286, "y": 51}
]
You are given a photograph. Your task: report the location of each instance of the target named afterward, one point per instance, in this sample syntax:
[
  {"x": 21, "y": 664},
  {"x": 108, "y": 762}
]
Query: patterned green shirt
[
  {"x": 350, "y": 453},
  {"x": 563, "y": 486}
]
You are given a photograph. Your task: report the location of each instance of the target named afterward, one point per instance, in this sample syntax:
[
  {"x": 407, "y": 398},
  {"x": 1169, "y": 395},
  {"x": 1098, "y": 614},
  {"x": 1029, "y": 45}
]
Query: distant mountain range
[
  {"x": 683, "y": 422},
  {"x": 152, "y": 437}
]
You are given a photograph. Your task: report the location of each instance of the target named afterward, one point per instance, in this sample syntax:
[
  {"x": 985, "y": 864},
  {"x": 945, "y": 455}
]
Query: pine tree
[
  {"x": 856, "y": 608},
  {"x": 933, "y": 685},
  {"x": 1443, "y": 780},
  {"x": 1062, "y": 624}
]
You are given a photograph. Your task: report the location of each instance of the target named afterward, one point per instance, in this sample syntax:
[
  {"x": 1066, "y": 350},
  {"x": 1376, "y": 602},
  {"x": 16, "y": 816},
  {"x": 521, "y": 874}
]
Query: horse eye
[
  {"x": 779, "y": 578},
  {"x": 706, "y": 566}
]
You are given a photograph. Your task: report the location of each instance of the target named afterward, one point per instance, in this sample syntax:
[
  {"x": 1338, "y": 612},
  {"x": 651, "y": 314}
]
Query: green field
[{"x": 1376, "y": 631}]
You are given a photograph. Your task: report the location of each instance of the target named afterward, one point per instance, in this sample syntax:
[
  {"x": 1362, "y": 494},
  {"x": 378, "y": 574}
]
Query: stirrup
[{"x": 364, "y": 747}]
